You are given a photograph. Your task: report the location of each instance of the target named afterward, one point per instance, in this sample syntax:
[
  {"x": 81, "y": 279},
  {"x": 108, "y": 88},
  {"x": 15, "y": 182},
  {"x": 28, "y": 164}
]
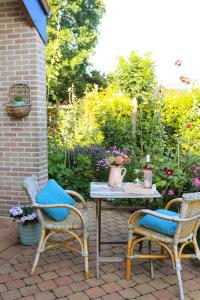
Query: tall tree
[
  {"x": 72, "y": 32},
  {"x": 135, "y": 76}
]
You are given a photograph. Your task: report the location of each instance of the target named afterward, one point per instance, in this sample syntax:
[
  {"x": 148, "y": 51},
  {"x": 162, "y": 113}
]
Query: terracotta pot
[{"x": 116, "y": 176}]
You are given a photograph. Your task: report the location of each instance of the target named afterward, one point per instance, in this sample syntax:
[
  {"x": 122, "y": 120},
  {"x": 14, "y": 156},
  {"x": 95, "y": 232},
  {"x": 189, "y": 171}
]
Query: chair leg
[
  {"x": 85, "y": 253},
  {"x": 178, "y": 273},
  {"x": 39, "y": 250},
  {"x": 128, "y": 261},
  {"x": 151, "y": 261}
]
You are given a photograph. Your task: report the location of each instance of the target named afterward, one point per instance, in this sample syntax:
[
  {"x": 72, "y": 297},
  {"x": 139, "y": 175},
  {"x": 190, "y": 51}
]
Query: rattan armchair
[
  {"x": 188, "y": 223},
  {"x": 76, "y": 224}
]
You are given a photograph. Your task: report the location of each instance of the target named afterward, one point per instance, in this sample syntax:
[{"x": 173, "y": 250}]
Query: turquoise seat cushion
[
  {"x": 53, "y": 193},
  {"x": 163, "y": 226}
]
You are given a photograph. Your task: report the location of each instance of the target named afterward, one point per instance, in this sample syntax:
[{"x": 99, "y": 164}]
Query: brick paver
[{"x": 60, "y": 273}]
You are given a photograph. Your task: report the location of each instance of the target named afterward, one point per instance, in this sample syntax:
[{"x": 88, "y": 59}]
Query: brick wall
[{"x": 23, "y": 142}]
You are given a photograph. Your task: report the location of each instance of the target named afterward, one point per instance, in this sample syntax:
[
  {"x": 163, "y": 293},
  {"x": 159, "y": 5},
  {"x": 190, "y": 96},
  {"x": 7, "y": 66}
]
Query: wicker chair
[
  {"x": 171, "y": 247},
  {"x": 75, "y": 223}
]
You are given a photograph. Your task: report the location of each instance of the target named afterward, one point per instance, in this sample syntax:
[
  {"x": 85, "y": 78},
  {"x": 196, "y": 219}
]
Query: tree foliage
[
  {"x": 135, "y": 75},
  {"x": 72, "y": 32},
  {"x": 181, "y": 117}
]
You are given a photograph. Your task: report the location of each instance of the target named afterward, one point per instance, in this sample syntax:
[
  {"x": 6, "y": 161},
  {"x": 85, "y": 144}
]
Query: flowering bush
[
  {"x": 174, "y": 178},
  {"x": 114, "y": 158},
  {"x": 195, "y": 170},
  {"x": 23, "y": 214}
]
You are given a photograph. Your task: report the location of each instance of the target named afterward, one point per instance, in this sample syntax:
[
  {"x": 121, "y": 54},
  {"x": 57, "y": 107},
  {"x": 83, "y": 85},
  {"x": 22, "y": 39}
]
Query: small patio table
[{"x": 99, "y": 191}]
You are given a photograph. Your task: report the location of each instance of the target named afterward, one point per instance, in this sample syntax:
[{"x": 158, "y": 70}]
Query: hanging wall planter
[{"x": 19, "y": 104}]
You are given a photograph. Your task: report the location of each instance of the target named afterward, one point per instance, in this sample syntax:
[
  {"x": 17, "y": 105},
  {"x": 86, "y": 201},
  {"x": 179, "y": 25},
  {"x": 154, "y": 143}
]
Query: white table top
[{"x": 102, "y": 190}]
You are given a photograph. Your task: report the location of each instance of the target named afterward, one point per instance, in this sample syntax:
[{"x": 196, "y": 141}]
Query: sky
[{"x": 169, "y": 29}]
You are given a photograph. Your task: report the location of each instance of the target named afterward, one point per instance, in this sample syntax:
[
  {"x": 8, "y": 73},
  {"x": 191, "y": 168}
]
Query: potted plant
[
  {"x": 18, "y": 101},
  {"x": 29, "y": 228},
  {"x": 116, "y": 161}
]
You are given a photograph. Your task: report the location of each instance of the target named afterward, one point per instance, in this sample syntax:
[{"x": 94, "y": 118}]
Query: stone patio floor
[{"x": 60, "y": 273}]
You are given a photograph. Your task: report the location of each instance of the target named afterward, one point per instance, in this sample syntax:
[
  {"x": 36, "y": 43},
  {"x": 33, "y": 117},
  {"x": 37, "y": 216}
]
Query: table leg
[
  {"x": 99, "y": 225},
  {"x": 97, "y": 235}
]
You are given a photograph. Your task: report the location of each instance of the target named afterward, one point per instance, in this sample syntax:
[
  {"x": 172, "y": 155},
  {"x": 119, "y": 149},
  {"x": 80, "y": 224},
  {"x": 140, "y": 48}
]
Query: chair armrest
[
  {"x": 172, "y": 202},
  {"x": 134, "y": 217},
  {"x": 77, "y": 196},
  {"x": 70, "y": 207}
]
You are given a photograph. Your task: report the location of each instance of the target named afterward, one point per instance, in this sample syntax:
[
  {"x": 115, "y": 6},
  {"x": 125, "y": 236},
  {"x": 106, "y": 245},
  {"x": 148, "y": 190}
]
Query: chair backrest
[
  {"x": 190, "y": 207},
  {"x": 31, "y": 186}
]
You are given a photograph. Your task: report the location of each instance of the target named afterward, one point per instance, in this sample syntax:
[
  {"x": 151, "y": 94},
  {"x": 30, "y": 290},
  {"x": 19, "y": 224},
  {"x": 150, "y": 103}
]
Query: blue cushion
[
  {"x": 163, "y": 226},
  {"x": 53, "y": 193}
]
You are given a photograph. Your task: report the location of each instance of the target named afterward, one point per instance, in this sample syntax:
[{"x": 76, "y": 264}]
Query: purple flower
[
  {"x": 196, "y": 181},
  {"x": 126, "y": 150},
  {"x": 112, "y": 149},
  {"x": 102, "y": 164},
  {"x": 171, "y": 192}
]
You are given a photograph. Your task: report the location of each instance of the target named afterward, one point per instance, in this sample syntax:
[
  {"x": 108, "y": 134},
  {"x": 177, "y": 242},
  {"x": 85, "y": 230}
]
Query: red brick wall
[{"x": 23, "y": 142}]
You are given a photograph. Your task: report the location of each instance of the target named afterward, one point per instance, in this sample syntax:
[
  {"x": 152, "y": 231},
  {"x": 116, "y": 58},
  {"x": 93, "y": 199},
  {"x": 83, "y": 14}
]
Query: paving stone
[
  {"x": 23, "y": 266},
  {"x": 28, "y": 298},
  {"x": 190, "y": 285},
  {"x": 147, "y": 297},
  {"x": 141, "y": 278},
  {"x": 45, "y": 296},
  {"x": 11, "y": 295},
  {"x": 6, "y": 269},
  {"x": 62, "y": 291},
  {"x": 195, "y": 295},
  {"x": 79, "y": 286},
  {"x": 64, "y": 280},
  {"x": 5, "y": 278},
  {"x": 77, "y": 276},
  {"x": 158, "y": 284},
  {"x": 170, "y": 279},
  {"x": 163, "y": 294},
  {"x": 15, "y": 284},
  {"x": 47, "y": 285},
  {"x": 95, "y": 292},
  {"x": 29, "y": 290},
  {"x": 111, "y": 287},
  {"x": 3, "y": 288},
  {"x": 129, "y": 293},
  {"x": 113, "y": 296},
  {"x": 144, "y": 288},
  {"x": 126, "y": 283},
  {"x": 94, "y": 281},
  {"x": 110, "y": 277},
  {"x": 32, "y": 279},
  {"x": 78, "y": 296},
  {"x": 64, "y": 272},
  {"x": 51, "y": 267},
  {"x": 52, "y": 259},
  {"x": 49, "y": 275},
  {"x": 20, "y": 274}
]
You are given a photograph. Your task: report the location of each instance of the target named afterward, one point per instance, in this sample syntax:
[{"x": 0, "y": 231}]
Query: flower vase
[
  {"x": 29, "y": 234},
  {"x": 116, "y": 176}
]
